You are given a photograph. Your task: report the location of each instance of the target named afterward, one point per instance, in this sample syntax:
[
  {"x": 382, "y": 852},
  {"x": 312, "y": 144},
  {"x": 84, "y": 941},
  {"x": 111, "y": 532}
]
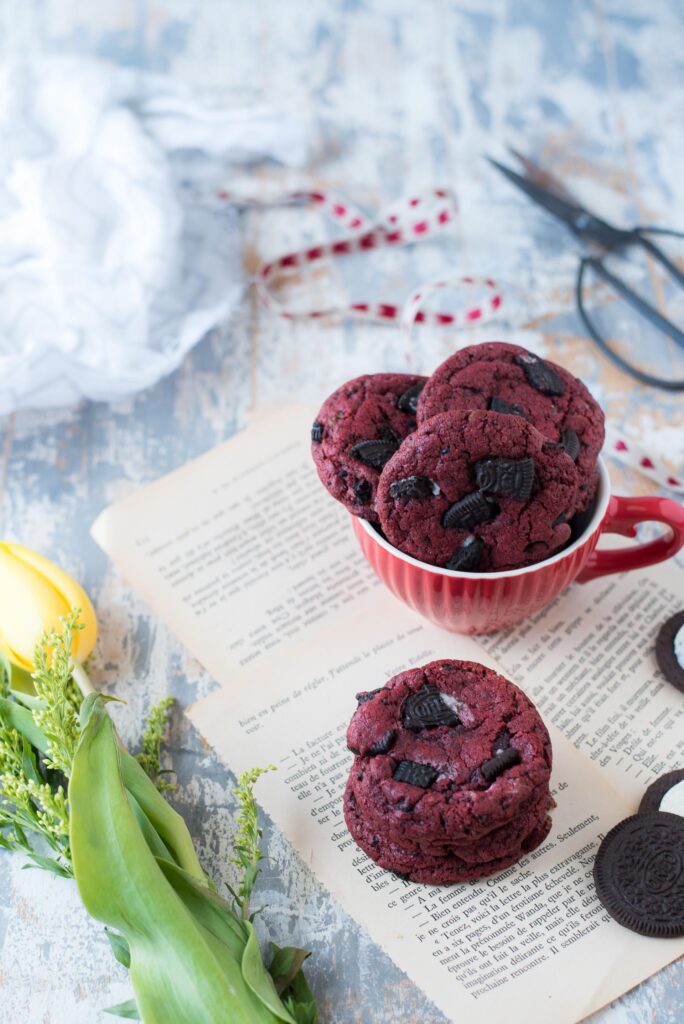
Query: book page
[
  {"x": 588, "y": 662},
  {"x": 256, "y": 569},
  {"x": 531, "y": 944}
]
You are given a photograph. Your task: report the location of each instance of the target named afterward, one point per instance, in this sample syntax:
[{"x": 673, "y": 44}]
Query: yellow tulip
[{"x": 34, "y": 593}]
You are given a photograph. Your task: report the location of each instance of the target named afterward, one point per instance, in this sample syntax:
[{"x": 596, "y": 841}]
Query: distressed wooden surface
[{"x": 400, "y": 96}]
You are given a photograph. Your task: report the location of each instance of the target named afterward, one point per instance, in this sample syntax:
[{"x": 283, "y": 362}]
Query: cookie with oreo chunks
[
  {"x": 359, "y": 427},
  {"x": 452, "y": 763},
  {"x": 508, "y": 379},
  {"x": 428, "y": 869},
  {"x": 477, "y": 492}
]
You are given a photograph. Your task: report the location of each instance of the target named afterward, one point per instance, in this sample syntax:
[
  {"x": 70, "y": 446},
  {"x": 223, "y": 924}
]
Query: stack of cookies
[
  {"x": 488, "y": 465},
  {"x": 450, "y": 779}
]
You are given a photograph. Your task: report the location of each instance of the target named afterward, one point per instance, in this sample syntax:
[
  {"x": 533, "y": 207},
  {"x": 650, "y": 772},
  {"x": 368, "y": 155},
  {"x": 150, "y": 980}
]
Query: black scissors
[{"x": 598, "y": 239}]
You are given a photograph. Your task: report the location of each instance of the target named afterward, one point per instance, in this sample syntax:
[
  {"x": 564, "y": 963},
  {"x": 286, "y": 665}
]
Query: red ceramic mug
[{"x": 468, "y": 602}]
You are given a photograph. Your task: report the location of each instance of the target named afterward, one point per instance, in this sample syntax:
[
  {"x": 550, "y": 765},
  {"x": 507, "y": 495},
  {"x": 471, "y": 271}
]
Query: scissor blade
[
  {"x": 539, "y": 176},
  {"x": 567, "y": 212}
]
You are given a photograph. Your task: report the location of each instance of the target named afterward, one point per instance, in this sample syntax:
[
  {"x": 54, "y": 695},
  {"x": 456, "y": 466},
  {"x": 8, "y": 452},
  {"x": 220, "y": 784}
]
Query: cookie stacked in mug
[{"x": 485, "y": 466}]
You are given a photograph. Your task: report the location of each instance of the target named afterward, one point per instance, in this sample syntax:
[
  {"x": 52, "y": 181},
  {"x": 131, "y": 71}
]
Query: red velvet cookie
[
  {"x": 450, "y": 775},
  {"x": 477, "y": 492},
  {"x": 508, "y": 379},
  {"x": 360, "y": 426}
]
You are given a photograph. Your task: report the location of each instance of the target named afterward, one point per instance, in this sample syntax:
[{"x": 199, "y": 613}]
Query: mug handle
[{"x": 621, "y": 517}]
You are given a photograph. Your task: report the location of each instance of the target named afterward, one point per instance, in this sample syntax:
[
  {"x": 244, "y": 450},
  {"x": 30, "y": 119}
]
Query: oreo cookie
[
  {"x": 507, "y": 478},
  {"x": 374, "y": 453},
  {"x": 469, "y": 510},
  {"x": 669, "y": 650},
  {"x": 408, "y": 401},
  {"x": 639, "y": 874},
  {"x": 498, "y": 764},
  {"x": 429, "y": 708},
  {"x": 509, "y": 408},
  {"x": 665, "y": 794},
  {"x": 415, "y": 774},
  {"x": 414, "y": 487},
  {"x": 467, "y": 557},
  {"x": 539, "y": 374}
]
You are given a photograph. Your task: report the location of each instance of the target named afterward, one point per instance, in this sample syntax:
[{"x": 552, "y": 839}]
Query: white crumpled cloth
[{"x": 111, "y": 265}]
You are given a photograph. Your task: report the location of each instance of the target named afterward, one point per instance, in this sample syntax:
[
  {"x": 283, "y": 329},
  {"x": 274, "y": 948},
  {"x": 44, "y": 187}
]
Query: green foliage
[
  {"x": 61, "y": 699},
  {"x": 153, "y": 737},
  {"x": 187, "y": 949},
  {"x": 247, "y": 845}
]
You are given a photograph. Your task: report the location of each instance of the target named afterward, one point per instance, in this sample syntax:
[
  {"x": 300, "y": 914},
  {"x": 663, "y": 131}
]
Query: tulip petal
[{"x": 34, "y": 593}]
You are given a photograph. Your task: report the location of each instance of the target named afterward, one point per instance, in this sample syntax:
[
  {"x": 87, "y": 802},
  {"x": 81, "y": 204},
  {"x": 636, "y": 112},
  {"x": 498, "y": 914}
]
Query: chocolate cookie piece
[
  {"x": 499, "y": 496},
  {"x": 639, "y": 874},
  {"x": 510, "y": 380},
  {"x": 439, "y": 869},
  {"x": 452, "y": 718},
  {"x": 665, "y": 794},
  {"x": 669, "y": 650},
  {"x": 359, "y": 427}
]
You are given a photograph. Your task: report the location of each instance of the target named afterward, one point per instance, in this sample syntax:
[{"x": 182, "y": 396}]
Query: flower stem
[{"x": 81, "y": 678}]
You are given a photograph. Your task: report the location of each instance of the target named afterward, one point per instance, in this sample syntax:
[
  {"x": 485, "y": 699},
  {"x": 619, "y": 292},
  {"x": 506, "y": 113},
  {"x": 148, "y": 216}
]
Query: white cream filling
[{"x": 673, "y": 801}]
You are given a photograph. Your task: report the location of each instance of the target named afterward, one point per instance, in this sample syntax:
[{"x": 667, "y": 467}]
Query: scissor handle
[
  {"x": 641, "y": 238},
  {"x": 640, "y": 305}
]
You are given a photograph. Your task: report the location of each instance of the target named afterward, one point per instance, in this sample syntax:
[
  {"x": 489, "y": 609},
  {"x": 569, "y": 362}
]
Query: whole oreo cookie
[
  {"x": 452, "y": 762},
  {"x": 669, "y": 650},
  {"x": 665, "y": 794},
  {"x": 508, "y": 379},
  {"x": 494, "y": 493},
  {"x": 639, "y": 874},
  {"x": 358, "y": 429}
]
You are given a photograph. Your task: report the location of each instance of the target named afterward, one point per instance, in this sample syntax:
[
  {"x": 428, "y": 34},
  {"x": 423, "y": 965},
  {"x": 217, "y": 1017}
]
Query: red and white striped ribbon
[
  {"x": 404, "y": 222},
  {"x": 638, "y": 456}
]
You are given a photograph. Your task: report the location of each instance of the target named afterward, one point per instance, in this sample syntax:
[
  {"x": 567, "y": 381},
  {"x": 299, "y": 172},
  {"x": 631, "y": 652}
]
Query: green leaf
[
  {"x": 129, "y": 1010},
  {"x": 258, "y": 978},
  {"x": 207, "y": 907},
  {"x": 17, "y": 717},
  {"x": 120, "y": 949},
  {"x": 48, "y": 864},
  {"x": 285, "y": 965},
  {"x": 168, "y": 824},
  {"x": 175, "y": 971}
]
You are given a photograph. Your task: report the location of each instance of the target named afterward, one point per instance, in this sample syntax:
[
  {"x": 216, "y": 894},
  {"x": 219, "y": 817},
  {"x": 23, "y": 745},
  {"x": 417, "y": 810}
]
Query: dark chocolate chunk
[
  {"x": 639, "y": 874},
  {"x": 414, "y": 487},
  {"x": 499, "y": 405},
  {"x": 510, "y": 478},
  {"x": 428, "y": 708},
  {"x": 540, "y": 375},
  {"x": 469, "y": 511},
  {"x": 669, "y": 650},
  {"x": 374, "y": 453},
  {"x": 468, "y": 556},
  {"x": 365, "y": 695},
  {"x": 655, "y": 793},
  {"x": 415, "y": 774},
  {"x": 498, "y": 764},
  {"x": 362, "y": 491},
  {"x": 385, "y": 743},
  {"x": 571, "y": 443},
  {"x": 408, "y": 402},
  {"x": 317, "y": 432}
]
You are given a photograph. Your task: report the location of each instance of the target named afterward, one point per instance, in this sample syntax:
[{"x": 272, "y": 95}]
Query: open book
[{"x": 247, "y": 559}]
